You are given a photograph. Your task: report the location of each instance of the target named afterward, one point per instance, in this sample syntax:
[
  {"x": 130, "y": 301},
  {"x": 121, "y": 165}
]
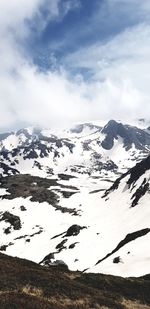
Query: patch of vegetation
[
  {"x": 26, "y": 285},
  {"x": 37, "y": 188},
  {"x": 66, "y": 176}
]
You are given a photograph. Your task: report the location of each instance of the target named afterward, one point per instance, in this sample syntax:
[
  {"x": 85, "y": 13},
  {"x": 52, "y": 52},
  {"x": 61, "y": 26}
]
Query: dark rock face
[
  {"x": 7, "y": 230},
  {"x": 111, "y": 130},
  {"x": 48, "y": 259},
  {"x": 61, "y": 265},
  {"x": 34, "y": 146},
  {"x": 22, "y": 208},
  {"x": 12, "y": 219},
  {"x": 27, "y": 237},
  {"x": 72, "y": 246},
  {"x": 66, "y": 176},
  {"x": 4, "y": 247},
  {"x": 74, "y": 230},
  {"x": 7, "y": 169},
  {"x": 99, "y": 164},
  {"x": 134, "y": 174},
  {"x": 61, "y": 246},
  {"x": 140, "y": 192},
  {"x": 138, "y": 170},
  {"x": 130, "y": 237},
  {"x": 130, "y": 135},
  {"x": 67, "y": 194},
  {"x": 116, "y": 260}
]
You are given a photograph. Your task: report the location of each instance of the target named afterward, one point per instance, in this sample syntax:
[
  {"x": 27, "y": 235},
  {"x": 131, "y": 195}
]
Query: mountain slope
[
  {"x": 132, "y": 190},
  {"x": 59, "y": 201},
  {"x": 24, "y": 284},
  {"x": 68, "y": 221}
]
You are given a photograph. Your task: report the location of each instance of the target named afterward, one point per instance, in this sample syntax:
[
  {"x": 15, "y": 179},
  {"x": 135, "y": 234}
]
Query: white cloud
[
  {"x": 123, "y": 63},
  {"x": 120, "y": 84},
  {"x": 14, "y": 13},
  {"x": 46, "y": 99},
  {"x": 27, "y": 95}
]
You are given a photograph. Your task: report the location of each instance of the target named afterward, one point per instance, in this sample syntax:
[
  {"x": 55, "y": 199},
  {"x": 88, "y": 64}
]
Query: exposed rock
[
  {"x": 7, "y": 230},
  {"x": 67, "y": 194},
  {"x": 22, "y": 208},
  {"x": 73, "y": 245},
  {"x": 60, "y": 264},
  {"x": 7, "y": 169},
  {"x": 139, "y": 193},
  {"x": 74, "y": 230},
  {"x": 14, "y": 221},
  {"x": 3, "y": 248},
  {"x": 134, "y": 174},
  {"x": 117, "y": 260},
  {"x": 66, "y": 176},
  {"x": 22, "y": 186},
  {"x": 130, "y": 237},
  {"x": 130, "y": 136},
  {"x": 61, "y": 246}
]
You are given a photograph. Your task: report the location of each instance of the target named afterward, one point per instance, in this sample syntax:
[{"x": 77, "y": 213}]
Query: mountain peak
[
  {"x": 130, "y": 136},
  {"x": 113, "y": 130}
]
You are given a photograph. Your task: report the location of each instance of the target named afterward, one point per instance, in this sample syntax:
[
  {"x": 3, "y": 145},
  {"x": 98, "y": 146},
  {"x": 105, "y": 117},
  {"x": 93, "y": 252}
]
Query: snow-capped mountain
[
  {"x": 86, "y": 148},
  {"x": 70, "y": 197}
]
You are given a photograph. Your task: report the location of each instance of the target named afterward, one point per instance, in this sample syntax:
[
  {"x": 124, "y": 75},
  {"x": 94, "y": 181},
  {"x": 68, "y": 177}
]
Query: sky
[{"x": 69, "y": 61}]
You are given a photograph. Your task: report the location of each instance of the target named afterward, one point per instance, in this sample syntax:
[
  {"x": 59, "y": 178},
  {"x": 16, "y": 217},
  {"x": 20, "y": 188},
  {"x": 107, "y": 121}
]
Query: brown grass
[
  {"x": 31, "y": 290},
  {"x": 134, "y": 305},
  {"x": 26, "y": 285}
]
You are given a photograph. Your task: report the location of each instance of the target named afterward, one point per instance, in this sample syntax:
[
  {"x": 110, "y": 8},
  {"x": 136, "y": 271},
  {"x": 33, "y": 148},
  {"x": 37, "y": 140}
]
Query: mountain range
[{"x": 77, "y": 197}]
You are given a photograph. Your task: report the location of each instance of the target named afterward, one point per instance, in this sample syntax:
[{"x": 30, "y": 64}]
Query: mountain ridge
[
  {"x": 71, "y": 195},
  {"x": 87, "y": 147}
]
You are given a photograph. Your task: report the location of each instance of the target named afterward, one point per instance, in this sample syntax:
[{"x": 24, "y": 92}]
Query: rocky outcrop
[{"x": 13, "y": 220}]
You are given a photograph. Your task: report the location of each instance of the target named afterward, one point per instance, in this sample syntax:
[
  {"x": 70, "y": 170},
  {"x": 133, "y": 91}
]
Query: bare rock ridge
[
  {"x": 134, "y": 174},
  {"x": 128, "y": 238},
  {"x": 130, "y": 135}
]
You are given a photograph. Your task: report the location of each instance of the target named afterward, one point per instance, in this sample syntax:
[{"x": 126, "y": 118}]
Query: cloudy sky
[{"x": 67, "y": 61}]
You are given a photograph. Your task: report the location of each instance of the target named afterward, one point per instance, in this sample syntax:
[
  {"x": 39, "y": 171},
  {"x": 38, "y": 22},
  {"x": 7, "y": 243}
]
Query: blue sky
[
  {"x": 84, "y": 24},
  {"x": 67, "y": 61}
]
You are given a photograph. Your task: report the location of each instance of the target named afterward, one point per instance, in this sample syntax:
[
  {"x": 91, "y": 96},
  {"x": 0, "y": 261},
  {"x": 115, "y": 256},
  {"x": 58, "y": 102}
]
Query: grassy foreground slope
[{"x": 26, "y": 285}]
